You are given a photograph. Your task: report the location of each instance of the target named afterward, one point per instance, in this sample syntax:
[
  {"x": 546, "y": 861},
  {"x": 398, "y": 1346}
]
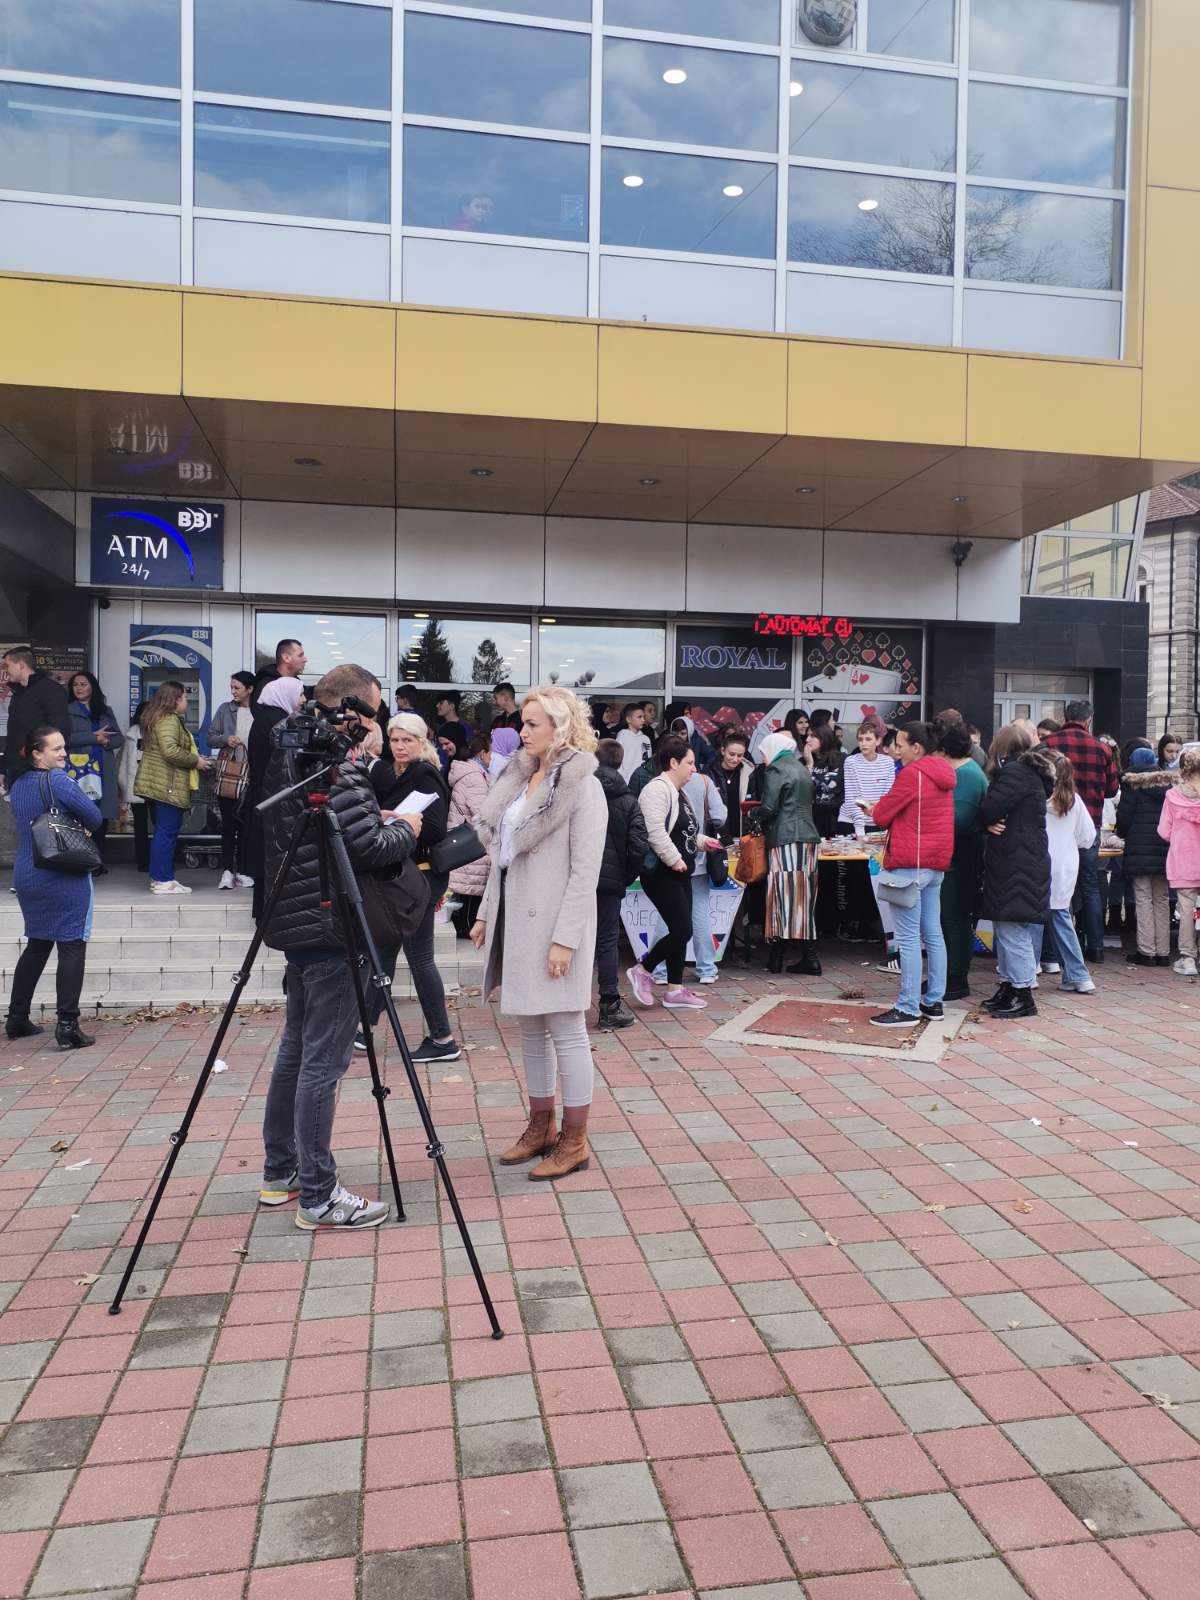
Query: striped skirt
[{"x": 792, "y": 891}]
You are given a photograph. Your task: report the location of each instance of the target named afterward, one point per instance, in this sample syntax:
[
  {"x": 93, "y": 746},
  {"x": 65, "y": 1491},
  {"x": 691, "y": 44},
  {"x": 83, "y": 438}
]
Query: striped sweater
[{"x": 865, "y": 780}]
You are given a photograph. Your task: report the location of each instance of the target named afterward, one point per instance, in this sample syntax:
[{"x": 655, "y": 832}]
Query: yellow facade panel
[
  {"x": 880, "y": 392},
  {"x": 495, "y": 366},
  {"x": 1174, "y": 106},
  {"x": 89, "y": 336},
  {"x": 1017, "y": 403},
  {"x": 1171, "y": 354},
  {"x": 304, "y": 352},
  {"x": 661, "y": 378}
]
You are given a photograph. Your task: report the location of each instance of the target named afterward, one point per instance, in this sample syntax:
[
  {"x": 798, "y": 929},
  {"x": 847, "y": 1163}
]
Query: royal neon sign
[{"x": 780, "y": 625}]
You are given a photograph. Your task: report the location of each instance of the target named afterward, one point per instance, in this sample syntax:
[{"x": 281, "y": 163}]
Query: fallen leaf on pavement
[
  {"x": 60, "y": 1144},
  {"x": 1023, "y": 1206}
]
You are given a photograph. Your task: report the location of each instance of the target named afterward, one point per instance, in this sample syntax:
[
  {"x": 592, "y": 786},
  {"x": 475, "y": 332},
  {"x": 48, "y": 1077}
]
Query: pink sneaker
[
  {"x": 684, "y": 1000},
  {"x": 639, "y": 982}
]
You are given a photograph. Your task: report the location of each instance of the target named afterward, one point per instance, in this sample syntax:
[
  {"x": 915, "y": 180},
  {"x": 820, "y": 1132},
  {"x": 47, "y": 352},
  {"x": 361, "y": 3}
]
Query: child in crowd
[{"x": 1180, "y": 826}]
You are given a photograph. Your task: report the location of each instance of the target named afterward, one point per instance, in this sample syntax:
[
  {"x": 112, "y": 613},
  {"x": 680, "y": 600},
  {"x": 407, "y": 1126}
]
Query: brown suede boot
[
  {"x": 537, "y": 1140},
  {"x": 570, "y": 1154}
]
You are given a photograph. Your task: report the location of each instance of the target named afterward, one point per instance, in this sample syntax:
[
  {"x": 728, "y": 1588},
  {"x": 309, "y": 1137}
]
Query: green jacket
[
  {"x": 168, "y": 755},
  {"x": 787, "y": 799}
]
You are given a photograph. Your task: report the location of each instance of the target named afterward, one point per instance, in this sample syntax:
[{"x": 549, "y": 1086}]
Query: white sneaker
[
  {"x": 174, "y": 887},
  {"x": 228, "y": 880},
  {"x": 708, "y": 977},
  {"x": 1185, "y": 967},
  {"x": 1050, "y": 966},
  {"x": 1085, "y": 987},
  {"x": 241, "y": 881}
]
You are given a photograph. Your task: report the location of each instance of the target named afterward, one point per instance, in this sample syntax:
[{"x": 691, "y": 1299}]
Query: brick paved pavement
[{"x": 812, "y": 1326}]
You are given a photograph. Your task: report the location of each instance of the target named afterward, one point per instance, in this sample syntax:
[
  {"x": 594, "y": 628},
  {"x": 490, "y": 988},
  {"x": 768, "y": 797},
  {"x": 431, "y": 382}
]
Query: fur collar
[
  {"x": 1150, "y": 779},
  {"x": 552, "y": 803}
]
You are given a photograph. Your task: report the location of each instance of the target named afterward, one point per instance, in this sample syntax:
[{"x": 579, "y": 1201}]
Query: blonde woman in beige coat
[{"x": 544, "y": 823}]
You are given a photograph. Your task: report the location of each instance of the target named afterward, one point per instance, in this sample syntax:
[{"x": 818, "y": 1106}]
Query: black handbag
[
  {"x": 460, "y": 847},
  {"x": 61, "y": 843},
  {"x": 717, "y": 864},
  {"x": 395, "y": 906}
]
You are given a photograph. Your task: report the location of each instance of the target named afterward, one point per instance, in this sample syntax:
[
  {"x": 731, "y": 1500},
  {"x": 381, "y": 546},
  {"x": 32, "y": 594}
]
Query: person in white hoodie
[
  {"x": 1069, "y": 829},
  {"x": 634, "y": 741}
]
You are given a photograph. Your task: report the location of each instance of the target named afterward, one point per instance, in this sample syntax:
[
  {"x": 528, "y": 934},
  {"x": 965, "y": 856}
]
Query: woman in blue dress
[{"x": 57, "y": 906}]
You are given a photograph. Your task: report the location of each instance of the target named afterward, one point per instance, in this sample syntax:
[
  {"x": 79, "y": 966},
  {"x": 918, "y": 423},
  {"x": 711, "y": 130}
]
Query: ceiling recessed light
[
  {"x": 806, "y": 488},
  {"x": 649, "y": 483},
  {"x": 733, "y": 190},
  {"x": 421, "y": 616},
  {"x": 306, "y": 461},
  {"x": 545, "y": 620},
  {"x": 958, "y": 499},
  {"x": 631, "y": 180},
  {"x": 674, "y": 75},
  {"x": 795, "y": 88},
  {"x": 480, "y": 472},
  {"x": 868, "y": 205}
]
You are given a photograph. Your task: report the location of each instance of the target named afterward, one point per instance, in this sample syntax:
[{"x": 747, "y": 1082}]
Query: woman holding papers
[{"x": 412, "y": 780}]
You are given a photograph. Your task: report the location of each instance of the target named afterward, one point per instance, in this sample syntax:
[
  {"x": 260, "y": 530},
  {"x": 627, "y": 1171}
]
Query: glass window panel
[
  {"x": 295, "y": 50},
  {"x": 1127, "y": 511},
  {"x": 131, "y": 41},
  {"x": 284, "y": 162},
  {"x": 754, "y": 20},
  {"x": 922, "y": 30},
  {"x": 566, "y": 10},
  {"x": 464, "y": 650},
  {"x": 1075, "y": 41},
  {"x": 855, "y": 219},
  {"x": 493, "y": 72},
  {"x": 330, "y": 640},
  {"x": 1020, "y": 236},
  {"x": 703, "y": 203},
  {"x": 1099, "y": 521},
  {"x": 590, "y": 658},
  {"x": 489, "y": 183},
  {"x": 720, "y": 99},
  {"x": 895, "y": 119},
  {"x": 71, "y": 141},
  {"x": 1087, "y": 569},
  {"x": 1046, "y": 136}
]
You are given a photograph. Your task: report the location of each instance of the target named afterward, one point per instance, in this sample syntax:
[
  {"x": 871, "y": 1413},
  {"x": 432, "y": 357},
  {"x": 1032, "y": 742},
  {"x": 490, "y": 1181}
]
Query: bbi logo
[{"x": 195, "y": 517}]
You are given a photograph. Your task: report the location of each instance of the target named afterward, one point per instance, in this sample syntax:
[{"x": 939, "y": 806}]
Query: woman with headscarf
[
  {"x": 505, "y": 742},
  {"x": 786, "y": 815},
  {"x": 278, "y": 700}
]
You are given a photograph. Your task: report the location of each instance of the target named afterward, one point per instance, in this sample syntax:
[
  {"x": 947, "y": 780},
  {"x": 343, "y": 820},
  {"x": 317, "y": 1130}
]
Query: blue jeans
[
  {"x": 924, "y": 920},
  {"x": 1016, "y": 958},
  {"x": 1064, "y": 947},
  {"x": 702, "y": 945},
  {"x": 318, "y": 1037},
  {"x": 167, "y": 822},
  {"x": 1087, "y": 896}
]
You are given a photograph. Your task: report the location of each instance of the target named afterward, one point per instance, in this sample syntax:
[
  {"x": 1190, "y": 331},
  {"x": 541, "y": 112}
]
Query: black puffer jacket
[
  {"x": 626, "y": 842},
  {"x": 298, "y": 922},
  {"x": 1140, "y": 807},
  {"x": 1016, "y": 863}
]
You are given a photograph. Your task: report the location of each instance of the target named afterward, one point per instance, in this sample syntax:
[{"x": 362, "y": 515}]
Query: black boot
[
  {"x": 808, "y": 965},
  {"x": 18, "y": 1026},
  {"x": 957, "y": 989},
  {"x": 614, "y": 1014},
  {"x": 1001, "y": 997},
  {"x": 67, "y": 1035},
  {"x": 1019, "y": 1004},
  {"x": 775, "y": 955}
]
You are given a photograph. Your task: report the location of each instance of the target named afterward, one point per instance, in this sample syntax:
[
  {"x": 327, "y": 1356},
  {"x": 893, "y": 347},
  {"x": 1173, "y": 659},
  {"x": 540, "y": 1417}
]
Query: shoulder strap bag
[
  {"x": 61, "y": 843},
  {"x": 895, "y": 885},
  {"x": 460, "y": 847},
  {"x": 395, "y": 906},
  {"x": 716, "y": 862}
]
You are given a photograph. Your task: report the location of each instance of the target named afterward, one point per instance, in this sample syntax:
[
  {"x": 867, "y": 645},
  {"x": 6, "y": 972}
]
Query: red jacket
[{"x": 918, "y": 812}]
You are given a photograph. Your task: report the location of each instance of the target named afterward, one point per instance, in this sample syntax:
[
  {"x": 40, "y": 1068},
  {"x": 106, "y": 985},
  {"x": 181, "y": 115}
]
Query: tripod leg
[
  {"x": 353, "y": 908},
  {"x": 179, "y": 1137}
]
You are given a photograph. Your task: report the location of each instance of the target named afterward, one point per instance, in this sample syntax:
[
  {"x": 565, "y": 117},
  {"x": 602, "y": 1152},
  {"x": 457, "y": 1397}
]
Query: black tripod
[{"x": 362, "y": 950}]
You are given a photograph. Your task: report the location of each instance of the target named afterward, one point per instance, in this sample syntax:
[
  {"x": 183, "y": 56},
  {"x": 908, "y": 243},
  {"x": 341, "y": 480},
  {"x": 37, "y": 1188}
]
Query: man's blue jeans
[
  {"x": 1064, "y": 948},
  {"x": 1016, "y": 958},
  {"x": 167, "y": 822},
  {"x": 1087, "y": 895},
  {"x": 318, "y": 1037},
  {"x": 924, "y": 920}
]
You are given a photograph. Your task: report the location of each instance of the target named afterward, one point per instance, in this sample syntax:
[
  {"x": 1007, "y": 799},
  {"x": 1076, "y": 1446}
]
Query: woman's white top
[
  {"x": 1067, "y": 837},
  {"x": 245, "y": 721},
  {"x": 508, "y": 828}
]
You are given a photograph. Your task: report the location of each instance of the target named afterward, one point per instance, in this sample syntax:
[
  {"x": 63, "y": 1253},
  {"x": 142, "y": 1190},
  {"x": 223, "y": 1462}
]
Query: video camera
[{"x": 318, "y": 736}]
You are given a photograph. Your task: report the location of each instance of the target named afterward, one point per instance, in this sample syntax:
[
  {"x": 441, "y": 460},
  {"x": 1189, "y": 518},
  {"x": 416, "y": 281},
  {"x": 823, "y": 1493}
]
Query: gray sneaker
[{"x": 343, "y": 1210}]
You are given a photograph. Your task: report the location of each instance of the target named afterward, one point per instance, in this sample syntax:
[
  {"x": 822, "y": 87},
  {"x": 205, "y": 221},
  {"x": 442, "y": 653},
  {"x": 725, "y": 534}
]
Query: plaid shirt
[{"x": 1096, "y": 775}]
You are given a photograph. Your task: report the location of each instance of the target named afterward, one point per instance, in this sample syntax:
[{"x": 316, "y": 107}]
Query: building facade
[
  {"x": 751, "y": 352},
  {"x": 1169, "y": 585}
]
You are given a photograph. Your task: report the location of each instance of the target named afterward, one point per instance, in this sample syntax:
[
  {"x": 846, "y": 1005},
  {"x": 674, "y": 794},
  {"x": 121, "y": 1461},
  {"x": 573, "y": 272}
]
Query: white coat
[{"x": 1067, "y": 837}]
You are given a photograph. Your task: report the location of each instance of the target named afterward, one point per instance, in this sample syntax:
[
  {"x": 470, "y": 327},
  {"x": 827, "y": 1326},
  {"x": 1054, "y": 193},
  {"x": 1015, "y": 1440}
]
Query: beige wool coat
[{"x": 549, "y": 894}]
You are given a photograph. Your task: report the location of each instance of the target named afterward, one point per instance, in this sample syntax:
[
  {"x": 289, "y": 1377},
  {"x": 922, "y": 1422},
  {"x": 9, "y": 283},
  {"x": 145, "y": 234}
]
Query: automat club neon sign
[{"x": 787, "y": 625}]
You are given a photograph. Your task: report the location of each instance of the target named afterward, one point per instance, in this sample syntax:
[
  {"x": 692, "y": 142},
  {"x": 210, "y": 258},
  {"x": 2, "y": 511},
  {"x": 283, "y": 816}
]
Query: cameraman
[{"x": 322, "y": 1010}]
